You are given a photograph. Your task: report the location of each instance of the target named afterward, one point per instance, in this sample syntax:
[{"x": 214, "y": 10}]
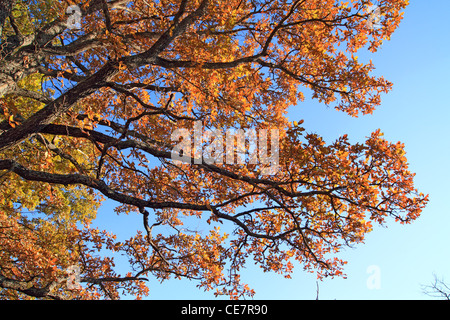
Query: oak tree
[{"x": 88, "y": 112}]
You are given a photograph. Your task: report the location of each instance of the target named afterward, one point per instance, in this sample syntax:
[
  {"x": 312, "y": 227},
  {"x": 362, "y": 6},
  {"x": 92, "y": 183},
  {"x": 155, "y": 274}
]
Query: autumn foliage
[{"x": 88, "y": 113}]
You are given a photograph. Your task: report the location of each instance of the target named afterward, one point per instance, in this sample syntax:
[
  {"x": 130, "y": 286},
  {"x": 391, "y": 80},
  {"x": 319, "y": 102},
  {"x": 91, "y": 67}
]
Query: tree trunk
[{"x": 5, "y": 10}]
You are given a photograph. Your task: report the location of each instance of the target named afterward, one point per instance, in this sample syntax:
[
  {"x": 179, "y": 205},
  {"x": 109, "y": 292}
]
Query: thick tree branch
[
  {"x": 27, "y": 287},
  {"x": 101, "y": 186}
]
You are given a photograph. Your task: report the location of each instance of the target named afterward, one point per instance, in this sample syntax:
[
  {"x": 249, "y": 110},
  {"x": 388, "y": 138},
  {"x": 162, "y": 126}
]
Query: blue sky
[{"x": 416, "y": 112}]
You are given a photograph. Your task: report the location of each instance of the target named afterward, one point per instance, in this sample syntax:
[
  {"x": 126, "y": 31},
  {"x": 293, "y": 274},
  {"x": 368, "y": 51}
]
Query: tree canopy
[{"x": 89, "y": 109}]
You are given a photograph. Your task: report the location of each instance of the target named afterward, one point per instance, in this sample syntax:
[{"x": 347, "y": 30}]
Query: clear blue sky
[{"x": 416, "y": 112}]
